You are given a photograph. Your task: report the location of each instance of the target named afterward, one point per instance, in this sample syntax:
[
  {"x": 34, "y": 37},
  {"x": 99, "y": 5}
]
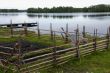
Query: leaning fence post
[
  {"x": 66, "y": 35},
  {"x": 84, "y": 35},
  {"x": 51, "y": 32},
  {"x": 77, "y": 43},
  {"x": 11, "y": 28},
  {"x": 38, "y": 31}
]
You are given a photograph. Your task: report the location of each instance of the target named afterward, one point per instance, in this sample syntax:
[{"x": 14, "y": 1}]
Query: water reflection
[
  {"x": 51, "y": 16},
  {"x": 70, "y": 16},
  {"x": 9, "y": 14},
  {"x": 62, "y": 16},
  {"x": 34, "y": 16},
  {"x": 99, "y": 15}
]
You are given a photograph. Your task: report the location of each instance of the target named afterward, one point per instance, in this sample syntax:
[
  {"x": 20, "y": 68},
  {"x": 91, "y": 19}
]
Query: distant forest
[
  {"x": 95, "y": 8},
  {"x": 11, "y": 10}
]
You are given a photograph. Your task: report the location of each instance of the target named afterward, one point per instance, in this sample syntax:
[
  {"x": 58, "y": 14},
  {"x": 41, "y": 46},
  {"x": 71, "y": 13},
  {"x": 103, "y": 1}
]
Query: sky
[{"x": 24, "y": 4}]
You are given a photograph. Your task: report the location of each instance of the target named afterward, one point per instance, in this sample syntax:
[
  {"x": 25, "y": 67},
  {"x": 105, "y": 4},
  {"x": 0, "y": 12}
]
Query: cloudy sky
[{"x": 24, "y": 4}]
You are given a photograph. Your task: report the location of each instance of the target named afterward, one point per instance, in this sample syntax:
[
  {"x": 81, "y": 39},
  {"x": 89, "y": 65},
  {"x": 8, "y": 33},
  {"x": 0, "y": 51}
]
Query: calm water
[{"x": 91, "y": 20}]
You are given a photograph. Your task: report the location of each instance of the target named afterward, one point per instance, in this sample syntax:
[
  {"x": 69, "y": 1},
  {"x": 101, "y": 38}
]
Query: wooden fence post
[
  {"x": 17, "y": 47},
  {"x": 84, "y": 34},
  {"x": 107, "y": 38},
  {"x": 25, "y": 30},
  {"x": 38, "y": 31},
  {"x": 109, "y": 31},
  {"x": 51, "y": 32},
  {"x": 95, "y": 39},
  {"x": 62, "y": 36},
  {"x": 11, "y": 28},
  {"x": 54, "y": 51},
  {"x": 77, "y": 43},
  {"x": 66, "y": 35}
]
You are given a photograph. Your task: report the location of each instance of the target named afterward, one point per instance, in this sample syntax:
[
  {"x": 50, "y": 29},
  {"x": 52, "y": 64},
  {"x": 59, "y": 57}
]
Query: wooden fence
[
  {"x": 51, "y": 57},
  {"x": 55, "y": 56}
]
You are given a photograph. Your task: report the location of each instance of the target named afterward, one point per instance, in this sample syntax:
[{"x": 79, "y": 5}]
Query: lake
[{"x": 91, "y": 20}]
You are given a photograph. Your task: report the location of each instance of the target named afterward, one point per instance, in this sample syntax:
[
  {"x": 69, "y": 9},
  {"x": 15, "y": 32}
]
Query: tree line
[
  {"x": 95, "y": 8},
  {"x": 12, "y": 10},
  {"x": 9, "y": 10}
]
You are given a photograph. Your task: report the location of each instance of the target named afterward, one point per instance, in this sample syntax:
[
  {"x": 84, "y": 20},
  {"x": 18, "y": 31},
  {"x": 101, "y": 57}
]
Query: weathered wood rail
[
  {"x": 5, "y": 51},
  {"x": 57, "y": 57},
  {"x": 62, "y": 56}
]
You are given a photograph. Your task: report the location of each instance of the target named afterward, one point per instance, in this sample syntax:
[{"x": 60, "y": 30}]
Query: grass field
[
  {"x": 98, "y": 62},
  {"x": 44, "y": 40}
]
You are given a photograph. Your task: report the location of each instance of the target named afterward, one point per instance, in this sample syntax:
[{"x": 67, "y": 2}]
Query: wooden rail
[
  {"x": 44, "y": 60},
  {"x": 6, "y": 47},
  {"x": 62, "y": 55}
]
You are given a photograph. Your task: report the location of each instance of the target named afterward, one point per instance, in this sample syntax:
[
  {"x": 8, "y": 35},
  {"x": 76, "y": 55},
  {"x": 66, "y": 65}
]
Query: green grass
[
  {"x": 2, "y": 70},
  {"x": 96, "y": 63},
  {"x": 44, "y": 40}
]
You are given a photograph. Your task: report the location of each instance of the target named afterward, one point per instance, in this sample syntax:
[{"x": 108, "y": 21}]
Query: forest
[
  {"x": 9, "y": 10},
  {"x": 94, "y": 8}
]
